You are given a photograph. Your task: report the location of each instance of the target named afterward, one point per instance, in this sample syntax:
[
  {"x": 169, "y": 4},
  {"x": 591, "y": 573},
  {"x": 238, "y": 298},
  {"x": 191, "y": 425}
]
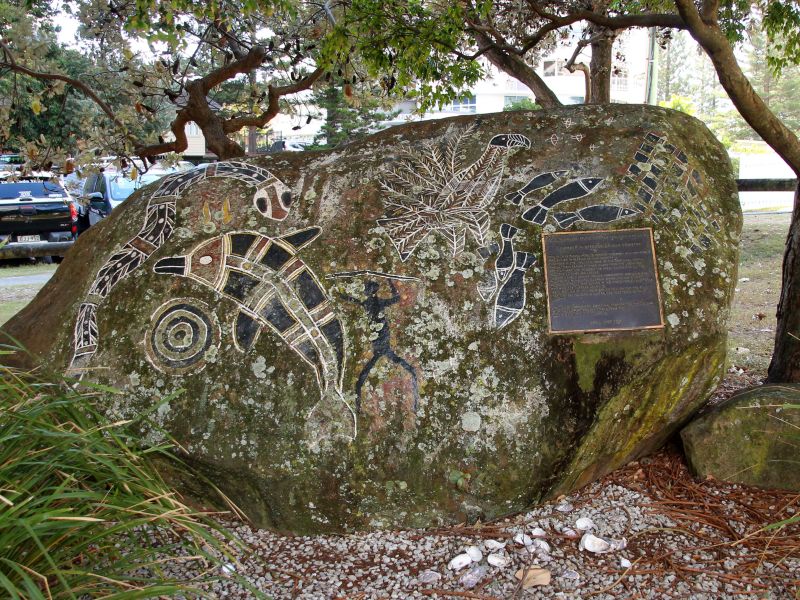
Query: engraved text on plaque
[{"x": 602, "y": 281}]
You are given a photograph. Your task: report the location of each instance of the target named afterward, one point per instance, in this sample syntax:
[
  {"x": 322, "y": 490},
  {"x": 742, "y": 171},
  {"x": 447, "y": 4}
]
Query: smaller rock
[
  {"x": 750, "y": 438},
  {"x": 538, "y": 532},
  {"x": 429, "y": 576},
  {"x": 473, "y": 577},
  {"x": 564, "y": 507},
  {"x": 492, "y": 545},
  {"x": 523, "y": 539},
  {"x": 584, "y": 524}
]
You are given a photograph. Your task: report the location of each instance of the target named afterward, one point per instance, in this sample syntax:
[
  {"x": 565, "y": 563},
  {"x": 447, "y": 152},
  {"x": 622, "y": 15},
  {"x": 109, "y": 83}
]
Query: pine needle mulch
[{"x": 741, "y": 535}]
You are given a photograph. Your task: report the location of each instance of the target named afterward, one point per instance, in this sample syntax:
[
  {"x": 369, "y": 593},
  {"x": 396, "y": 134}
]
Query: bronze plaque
[{"x": 601, "y": 281}]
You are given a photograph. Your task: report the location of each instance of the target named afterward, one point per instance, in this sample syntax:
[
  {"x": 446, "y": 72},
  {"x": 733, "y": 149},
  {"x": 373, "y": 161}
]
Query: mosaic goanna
[
  {"x": 274, "y": 289},
  {"x": 271, "y": 198}
]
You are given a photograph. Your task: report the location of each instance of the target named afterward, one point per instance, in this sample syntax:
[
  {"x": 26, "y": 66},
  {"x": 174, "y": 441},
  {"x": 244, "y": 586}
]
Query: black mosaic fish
[
  {"x": 599, "y": 213},
  {"x": 537, "y": 183},
  {"x": 505, "y": 262},
  {"x": 571, "y": 191},
  {"x": 511, "y": 298}
]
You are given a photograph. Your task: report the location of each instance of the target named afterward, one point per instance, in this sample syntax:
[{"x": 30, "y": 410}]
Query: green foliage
[
  {"x": 411, "y": 46},
  {"x": 680, "y": 103},
  {"x": 524, "y": 104},
  {"x": 347, "y": 118},
  {"x": 82, "y": 511},
  {"x": 781, "y": 22}
]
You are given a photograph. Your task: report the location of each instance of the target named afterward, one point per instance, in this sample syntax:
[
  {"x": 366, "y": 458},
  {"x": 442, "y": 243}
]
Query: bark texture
[{"x": 785, "y": 365}]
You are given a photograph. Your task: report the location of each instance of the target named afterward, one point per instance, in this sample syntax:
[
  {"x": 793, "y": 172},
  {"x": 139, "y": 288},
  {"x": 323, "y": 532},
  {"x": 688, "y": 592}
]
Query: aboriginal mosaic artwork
[
  {"x": 182, "y": 334},
  {"x": 427, "y": 192},
  {"x": 273, "y": 289},
  {"x": 503, "y": 284},
  {"x": 376, "y": 305},
  {"x": 659, "y": 165},
  {"x": 272, "y": 199},
  {"x": 573, "y": 190}
]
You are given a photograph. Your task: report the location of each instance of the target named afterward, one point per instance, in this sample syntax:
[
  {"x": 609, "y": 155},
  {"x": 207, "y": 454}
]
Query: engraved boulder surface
[{"x": 361, "y": 337}]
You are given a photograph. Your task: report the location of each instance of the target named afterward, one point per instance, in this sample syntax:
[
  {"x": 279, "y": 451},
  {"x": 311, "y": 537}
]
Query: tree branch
[
  {"x": 252, "y": 60},
  {"x": 12, "y": 65},
  {"x": 749, "y": 104},
  {"x": 179, "y": 144},
  {"x": 274, "y": 94}
]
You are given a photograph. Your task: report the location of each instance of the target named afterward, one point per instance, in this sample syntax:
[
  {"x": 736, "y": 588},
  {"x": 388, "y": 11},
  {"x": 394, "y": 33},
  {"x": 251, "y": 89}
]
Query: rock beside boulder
[
  {"x": 751, "y": 438},
  {"x": 360, "y": 338}
]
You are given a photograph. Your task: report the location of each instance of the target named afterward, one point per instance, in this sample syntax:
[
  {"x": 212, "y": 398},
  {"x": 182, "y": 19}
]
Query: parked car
[
  {"x": 104, "y": 191},
  {"x": 37, "y": 218},
  {"x": 287, "y": 146}
]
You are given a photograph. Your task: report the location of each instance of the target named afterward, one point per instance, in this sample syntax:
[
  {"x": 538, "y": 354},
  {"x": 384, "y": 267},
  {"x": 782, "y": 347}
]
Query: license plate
[{"x": 27, "y": 238}]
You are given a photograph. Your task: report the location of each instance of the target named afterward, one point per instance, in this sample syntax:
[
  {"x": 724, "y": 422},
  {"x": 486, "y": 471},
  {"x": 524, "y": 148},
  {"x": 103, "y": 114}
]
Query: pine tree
[{"x": 348, "y": 116}]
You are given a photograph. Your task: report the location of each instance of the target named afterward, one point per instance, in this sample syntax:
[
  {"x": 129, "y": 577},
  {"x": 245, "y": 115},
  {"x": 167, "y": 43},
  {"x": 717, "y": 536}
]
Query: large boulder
[
  {"x": 750, "y": 438},
  {"x": 360, "y": 337}
]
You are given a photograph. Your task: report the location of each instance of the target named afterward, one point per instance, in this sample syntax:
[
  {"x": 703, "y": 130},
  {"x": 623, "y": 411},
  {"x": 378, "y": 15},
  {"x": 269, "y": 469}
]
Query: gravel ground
[{"x": 670, "y": 536}]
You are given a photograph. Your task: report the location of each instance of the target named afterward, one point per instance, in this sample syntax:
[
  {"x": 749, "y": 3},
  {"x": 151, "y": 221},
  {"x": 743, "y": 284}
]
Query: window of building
[
  {"x": 509, "y": 100},
  {"x": 553, "y": 68},
  {"x": 465, "y": 104}
]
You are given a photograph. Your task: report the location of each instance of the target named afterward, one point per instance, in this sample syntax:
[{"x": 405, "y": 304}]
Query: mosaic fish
[
  {"x": 427, "y": 195},
  {"x": 571, "y": 191},
  {"x": 274, "y": 289},
  {"x": 271, "y": 198},
  {"x": 599, "y": 213},
  {"x": 537, "y": 183},
  {"x": 505, "y": 262},
  {"x": 511, "y": 298}
]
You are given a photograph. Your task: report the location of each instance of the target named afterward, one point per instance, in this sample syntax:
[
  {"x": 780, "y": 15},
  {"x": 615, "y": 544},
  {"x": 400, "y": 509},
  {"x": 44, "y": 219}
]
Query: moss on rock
[
  {"x": 750, "y": 438},
  {"x": 458, "y": 418}
]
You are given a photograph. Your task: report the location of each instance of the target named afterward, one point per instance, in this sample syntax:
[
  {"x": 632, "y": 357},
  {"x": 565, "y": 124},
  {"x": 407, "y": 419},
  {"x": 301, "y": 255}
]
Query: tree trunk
[
  {"x": 785, "y": 365},
  {"x": 516, "y": 67},
  {"x": 600, "y": 66},
  {"x": 210, "y": 124}
]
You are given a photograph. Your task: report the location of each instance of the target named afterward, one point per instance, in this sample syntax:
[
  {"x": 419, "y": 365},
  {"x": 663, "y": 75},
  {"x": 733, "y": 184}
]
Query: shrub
[{"x": 82, "y": 511}]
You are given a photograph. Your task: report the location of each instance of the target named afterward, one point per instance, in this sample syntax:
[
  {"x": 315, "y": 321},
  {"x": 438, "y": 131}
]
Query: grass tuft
[{"x": 83, "y": 514}]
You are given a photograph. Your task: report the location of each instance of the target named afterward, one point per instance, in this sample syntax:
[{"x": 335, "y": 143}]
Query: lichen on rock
[{"x": 361, "y": 338}]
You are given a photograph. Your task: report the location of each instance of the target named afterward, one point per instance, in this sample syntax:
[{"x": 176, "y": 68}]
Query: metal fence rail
[{"x": 766, "y": 185}]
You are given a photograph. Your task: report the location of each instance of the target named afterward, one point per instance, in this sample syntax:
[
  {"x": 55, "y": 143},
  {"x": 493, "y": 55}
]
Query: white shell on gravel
[
  {"x": 624, "y": 563},
  {"x": 523, "y": 539},
  {"x": 473, "y": 577},
  {"x": 598, "y": 545},
  {"x": 474, "y": 553},
  {"x": 538, "y": 532},
  {"x": 584, "y": 524},
  {"x": 570, "y": 574},
  {"x": 564, "y": 507},
  {"x": 570, "y": 532},
  {"x": 494, "y": 545},
  {"x": 429, "y": 576},
  {"x": 498, "y": 560},
  {"x": 459, "y": 562},
  {"x": 541, "y": 545},
  {"x": 592, "y": 543},
  {"x": 228, "y": 568}
]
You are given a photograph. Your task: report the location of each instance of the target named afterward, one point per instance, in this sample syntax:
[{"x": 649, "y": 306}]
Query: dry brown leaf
[{"x": 533, "y": 576}]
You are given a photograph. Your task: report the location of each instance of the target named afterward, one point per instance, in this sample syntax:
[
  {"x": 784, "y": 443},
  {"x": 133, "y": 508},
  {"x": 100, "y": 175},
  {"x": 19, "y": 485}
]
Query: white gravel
[{"x": 413, "y": 564}]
